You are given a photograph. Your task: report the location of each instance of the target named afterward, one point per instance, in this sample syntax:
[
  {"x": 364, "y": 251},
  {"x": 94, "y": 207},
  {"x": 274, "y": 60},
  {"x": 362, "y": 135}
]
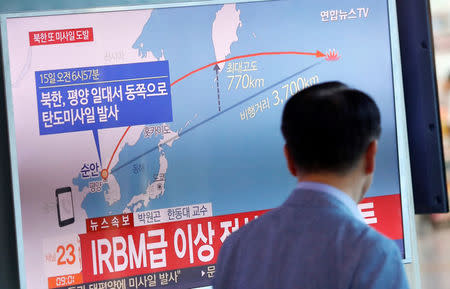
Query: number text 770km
[{"x": 244, "y": 81}]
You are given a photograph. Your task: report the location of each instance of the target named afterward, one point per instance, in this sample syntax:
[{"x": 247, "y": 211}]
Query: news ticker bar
[{"x": 174, "y": 279}]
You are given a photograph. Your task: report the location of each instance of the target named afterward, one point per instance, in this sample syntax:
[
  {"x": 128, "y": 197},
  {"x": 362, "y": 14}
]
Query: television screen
[{"x": 142, "y": 137}]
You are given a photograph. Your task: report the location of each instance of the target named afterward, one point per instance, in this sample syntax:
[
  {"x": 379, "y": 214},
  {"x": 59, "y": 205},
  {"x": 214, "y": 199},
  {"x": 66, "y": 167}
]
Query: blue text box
[{"x": 92, "y": 98}]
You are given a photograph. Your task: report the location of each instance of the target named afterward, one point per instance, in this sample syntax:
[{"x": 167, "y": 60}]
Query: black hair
[{"x": 329, "y": 126}]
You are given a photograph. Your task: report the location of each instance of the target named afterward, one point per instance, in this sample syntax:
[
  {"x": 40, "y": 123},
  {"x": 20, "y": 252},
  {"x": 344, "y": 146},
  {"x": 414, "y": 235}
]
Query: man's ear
[
  {"x": 290, "y": 161},
  {"x": 370, "y": 157}
]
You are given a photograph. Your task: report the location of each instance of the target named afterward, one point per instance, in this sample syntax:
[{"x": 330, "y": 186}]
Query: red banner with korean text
[
  {"x": 109, "y": 222},
  {"x": 130, "y": 251},
  {"x": 126, "y": 250},
  {"x": 61, "y": 36}
]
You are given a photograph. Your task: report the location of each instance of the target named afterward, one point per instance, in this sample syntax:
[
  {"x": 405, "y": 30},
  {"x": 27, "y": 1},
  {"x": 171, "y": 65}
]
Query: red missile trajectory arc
[{"x": 317, "y": 54}]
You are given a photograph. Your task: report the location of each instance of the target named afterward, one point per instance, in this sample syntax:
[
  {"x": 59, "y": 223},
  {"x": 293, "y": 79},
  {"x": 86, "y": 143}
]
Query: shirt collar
[{"x": 336, "y": 193}]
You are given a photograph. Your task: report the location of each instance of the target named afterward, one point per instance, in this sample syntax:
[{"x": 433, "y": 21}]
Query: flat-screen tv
[{"x": 141, "y": 137}]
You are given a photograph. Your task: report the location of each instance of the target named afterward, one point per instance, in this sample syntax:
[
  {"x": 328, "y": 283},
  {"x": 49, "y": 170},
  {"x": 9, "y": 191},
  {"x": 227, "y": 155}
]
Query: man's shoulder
[
  {"x": 294, "y": 221},
  {"x": 379, "y": 242},
  {"x": 256, "y": 226},
  {"x": 327, "y": 224}
]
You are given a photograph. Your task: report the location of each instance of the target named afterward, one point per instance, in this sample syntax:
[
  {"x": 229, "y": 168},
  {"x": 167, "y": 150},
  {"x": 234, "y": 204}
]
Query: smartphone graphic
[{"x": 64, "y": 203}]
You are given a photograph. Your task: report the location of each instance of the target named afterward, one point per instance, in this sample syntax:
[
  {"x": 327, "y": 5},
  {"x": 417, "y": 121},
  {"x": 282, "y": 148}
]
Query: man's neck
[{"x": 346, "y": 183}]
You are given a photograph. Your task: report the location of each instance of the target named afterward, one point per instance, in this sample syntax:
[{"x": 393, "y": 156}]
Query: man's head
[{"x": 329, "y": 129}]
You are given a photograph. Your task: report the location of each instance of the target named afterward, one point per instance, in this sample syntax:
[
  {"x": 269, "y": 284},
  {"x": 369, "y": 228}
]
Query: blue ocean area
[{"x": 82, "y": 183}]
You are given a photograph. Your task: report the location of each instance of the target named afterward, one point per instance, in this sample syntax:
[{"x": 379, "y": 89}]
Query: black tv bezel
[{"x": 422, "y": 107}]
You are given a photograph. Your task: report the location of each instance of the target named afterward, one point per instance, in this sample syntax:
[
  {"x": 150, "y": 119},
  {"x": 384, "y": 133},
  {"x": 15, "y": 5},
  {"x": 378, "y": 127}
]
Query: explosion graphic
[{"x": 332, "y": 55}]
